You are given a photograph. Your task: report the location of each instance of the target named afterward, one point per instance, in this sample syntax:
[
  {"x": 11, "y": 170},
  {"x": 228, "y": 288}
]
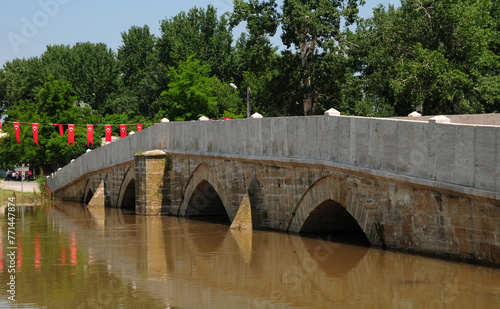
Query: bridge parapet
[{"x": 457, "y": 154}]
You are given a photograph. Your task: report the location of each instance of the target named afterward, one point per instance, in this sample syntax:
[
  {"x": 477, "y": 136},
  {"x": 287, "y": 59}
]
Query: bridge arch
[
  {"x": 126, "y": 195},
  {"x": 204, "y": 195},
  {"x": 88, "y": 193},
  {"x": 328, "y": 205}
]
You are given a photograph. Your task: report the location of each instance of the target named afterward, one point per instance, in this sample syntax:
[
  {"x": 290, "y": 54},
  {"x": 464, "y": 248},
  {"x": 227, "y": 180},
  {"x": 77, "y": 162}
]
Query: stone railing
[{"x": 457, "y": 154}]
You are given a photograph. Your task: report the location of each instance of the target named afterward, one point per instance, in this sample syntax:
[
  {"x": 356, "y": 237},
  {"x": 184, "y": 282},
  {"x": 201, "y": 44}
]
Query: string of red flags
[{"x": 71, "y": 131}]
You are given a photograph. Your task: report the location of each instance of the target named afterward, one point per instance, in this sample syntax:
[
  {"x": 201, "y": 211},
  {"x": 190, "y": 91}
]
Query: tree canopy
[{"x": 438, "y": 57}]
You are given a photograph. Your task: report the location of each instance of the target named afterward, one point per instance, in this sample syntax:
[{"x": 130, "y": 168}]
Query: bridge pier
[{"x": 150, "y": 167}]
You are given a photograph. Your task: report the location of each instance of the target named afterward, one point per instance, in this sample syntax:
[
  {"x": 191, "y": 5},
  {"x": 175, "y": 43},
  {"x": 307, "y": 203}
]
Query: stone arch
[
  {"x": 329, "y": 197},
  {"x": 205, "y": 188},
  {"x": 126, "y": 195},
  {"x": 87, "y": 192}
]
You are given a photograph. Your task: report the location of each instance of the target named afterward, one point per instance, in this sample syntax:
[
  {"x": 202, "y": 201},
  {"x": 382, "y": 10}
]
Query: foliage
[
  {"x": 200, "y": 32},
  {"x": 189, "y": 95},
  {"x": 438, "y": 57},
  {"x": 21, "y": 79},
  {"x": 142, "y": 74},
  {"x": 256, "y": 64},
  {"x": 90, "y": 68},
  {"x": 229, "y": 101},
  {"x": 309, "y": 25},
  {"x": 54, "y": 103},
  {"x": 434, "y": 56}
]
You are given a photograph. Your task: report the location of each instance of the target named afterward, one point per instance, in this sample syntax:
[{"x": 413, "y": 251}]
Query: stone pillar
[{"x": 149, "y": 177}]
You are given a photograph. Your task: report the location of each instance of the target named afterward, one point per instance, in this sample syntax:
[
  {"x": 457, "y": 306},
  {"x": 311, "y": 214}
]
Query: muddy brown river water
[{"x": 69, "y": 256}]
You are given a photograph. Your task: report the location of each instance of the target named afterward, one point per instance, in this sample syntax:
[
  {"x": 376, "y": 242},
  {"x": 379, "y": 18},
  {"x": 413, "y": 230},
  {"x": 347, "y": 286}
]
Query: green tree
[
  {"x": 256, "y": 64},
  {"x": 200, "y": 32},
  {"x": 20, "y": 79},
  {"x": 337, "y": 85},
  {"x": 91, "y": 69},
  {"x": 189, "y": 93},
  {"x": 308, "y": 25},
  {"x": 229, "y": 101},
  {"x": 431, "y": 56},
  {"x": 142, "y": 75},
  {"x": 54, "y": 103}
]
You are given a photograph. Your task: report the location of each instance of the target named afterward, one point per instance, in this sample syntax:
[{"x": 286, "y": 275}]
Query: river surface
[{"x": 69, "y": 256}]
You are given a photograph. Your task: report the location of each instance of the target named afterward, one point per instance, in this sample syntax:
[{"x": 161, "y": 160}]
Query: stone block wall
[
  {"x": 415, "y": 217},
  {"x": 149, "y": 177}
]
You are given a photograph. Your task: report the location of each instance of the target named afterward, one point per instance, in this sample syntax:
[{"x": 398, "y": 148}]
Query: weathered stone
[
  {"x": 405, "y": 176},
  {"x": 99, "y": 197}
]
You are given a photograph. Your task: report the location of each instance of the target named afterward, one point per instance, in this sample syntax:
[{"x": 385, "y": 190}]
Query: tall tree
[
  {"x": 307, "y": 25},
  {"x": 189, "y": 93},
  {"x": 21, "y": 79},
  {"x": 142, "y": 74},
  {"x": 200, "y": 32},
  {"x": 256, "y": 64},
  {"x": 433, "y": 56},
  {"x": 91, "y": 69}
]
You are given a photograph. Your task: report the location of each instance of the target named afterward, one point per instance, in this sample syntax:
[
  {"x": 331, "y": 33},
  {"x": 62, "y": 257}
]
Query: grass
[
  {"x": 42, "y": 198},
  {"x": 25, "y": 198}
]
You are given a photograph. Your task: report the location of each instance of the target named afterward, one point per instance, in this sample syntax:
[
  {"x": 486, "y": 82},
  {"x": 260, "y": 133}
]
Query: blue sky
[{"x": 28, "y": 26}]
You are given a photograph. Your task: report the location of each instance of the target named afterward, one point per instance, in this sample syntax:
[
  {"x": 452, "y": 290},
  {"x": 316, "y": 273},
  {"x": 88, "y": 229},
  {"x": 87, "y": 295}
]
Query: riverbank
[{"x": 12, "y": 189}]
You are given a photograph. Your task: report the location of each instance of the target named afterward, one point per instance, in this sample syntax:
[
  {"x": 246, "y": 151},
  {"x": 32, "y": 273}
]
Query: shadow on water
[
  {"x": 355, "y": 238},
  {"x": 216, "y": 219},
  {"x": 336, "y": 253}
]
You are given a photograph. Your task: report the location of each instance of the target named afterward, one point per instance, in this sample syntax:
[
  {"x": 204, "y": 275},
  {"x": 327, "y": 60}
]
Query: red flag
[
  {"x": 139, "y": 127},
  {"x": 123, "y": 130},
  {"x": 61, "y": 132},
  {"x": 16, "y": 128},
  {"x": 108, "y": 133},
  {"x": 90, "y": 134},
  {"x": 34, "y": 126},
  {"x": 71, "y": 134},
  {"x": 0, "y": 126}
]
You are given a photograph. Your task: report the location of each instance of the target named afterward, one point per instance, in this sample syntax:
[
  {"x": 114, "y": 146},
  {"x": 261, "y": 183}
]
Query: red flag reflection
[
  {"x": 73, "y": 249},
  {"x": 1, "y": 252},
  {"x": 19, "y": 254},
  {"x": 38, "y": 254},
  {"x": 63, "y": 254}
]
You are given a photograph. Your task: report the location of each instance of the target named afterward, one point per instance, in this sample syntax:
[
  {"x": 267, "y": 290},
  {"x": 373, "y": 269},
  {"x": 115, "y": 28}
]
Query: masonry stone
[{"x": 433, "y": 186}]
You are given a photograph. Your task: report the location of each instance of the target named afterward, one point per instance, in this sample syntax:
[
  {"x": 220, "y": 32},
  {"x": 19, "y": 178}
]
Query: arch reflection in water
[{"x": 160, "y": 262}]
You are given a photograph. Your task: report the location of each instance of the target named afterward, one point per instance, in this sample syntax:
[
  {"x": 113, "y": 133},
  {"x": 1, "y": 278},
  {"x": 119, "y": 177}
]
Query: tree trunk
[
  {"x": 308, "y": 100},
  {"x": 306, "y": 52}
]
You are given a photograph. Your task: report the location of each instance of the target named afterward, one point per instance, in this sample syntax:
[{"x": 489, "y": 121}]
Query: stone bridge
[{"x": 418, "y": 185}]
